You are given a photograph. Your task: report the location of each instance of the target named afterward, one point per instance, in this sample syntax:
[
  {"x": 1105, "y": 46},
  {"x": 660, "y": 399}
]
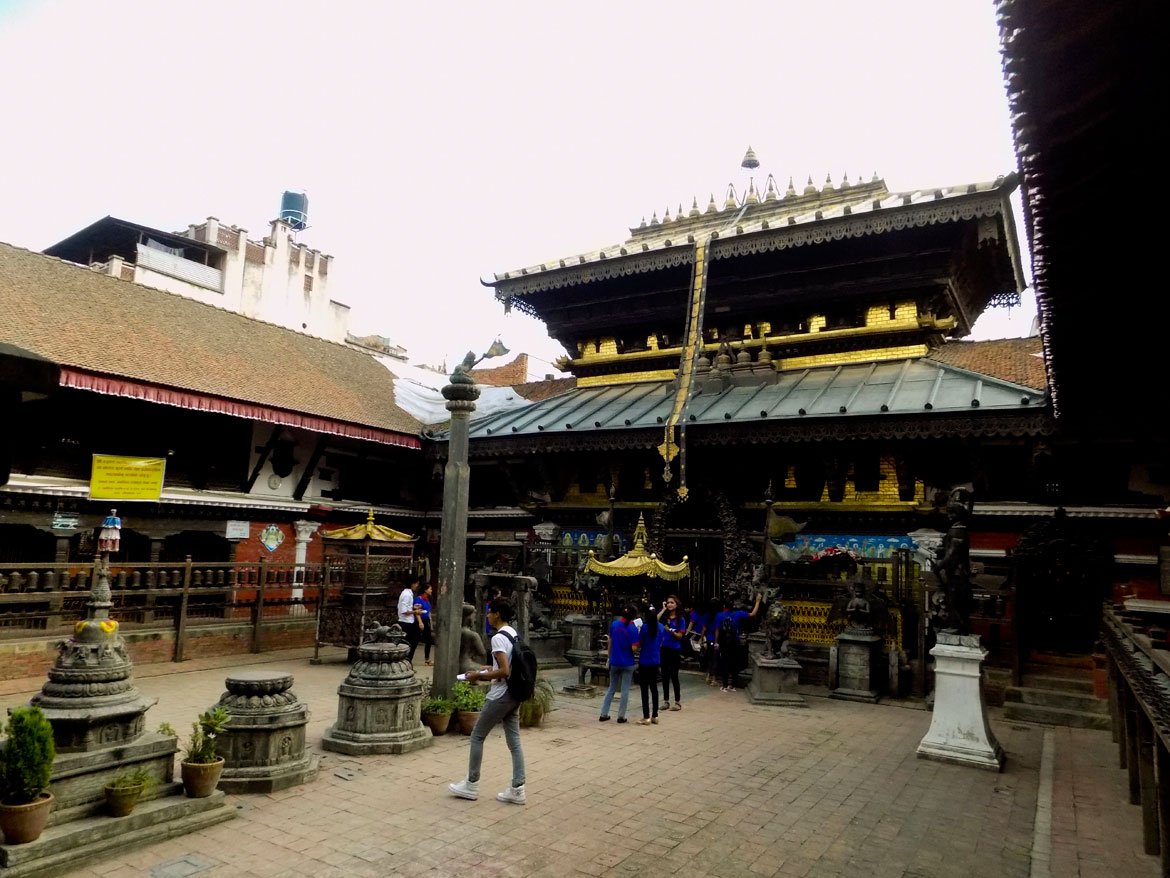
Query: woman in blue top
[
  {"x": 422, "y": 612},
  {"x": 675, "y": 623},
  {"x": 622, "y": 637},
  {"x": 728, "y": 627},
  {"x": 649, "y": 659}
]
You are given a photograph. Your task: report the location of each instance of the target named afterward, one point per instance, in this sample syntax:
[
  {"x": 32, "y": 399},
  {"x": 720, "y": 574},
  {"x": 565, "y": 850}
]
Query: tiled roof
[
  {"x": 535, "y": 391},
  {"x": 1018, "y": 360},
  {"x": 88, "y": 321},
  {"x": 923, "y": 388}
]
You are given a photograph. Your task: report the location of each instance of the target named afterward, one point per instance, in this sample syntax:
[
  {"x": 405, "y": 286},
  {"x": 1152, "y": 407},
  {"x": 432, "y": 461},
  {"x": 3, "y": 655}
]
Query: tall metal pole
[{"x": 461, "y": 394}]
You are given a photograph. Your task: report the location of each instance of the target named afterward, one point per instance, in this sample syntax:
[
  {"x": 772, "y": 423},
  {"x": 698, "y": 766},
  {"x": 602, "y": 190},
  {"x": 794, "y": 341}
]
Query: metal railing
[{"x": 47, "y": 600}]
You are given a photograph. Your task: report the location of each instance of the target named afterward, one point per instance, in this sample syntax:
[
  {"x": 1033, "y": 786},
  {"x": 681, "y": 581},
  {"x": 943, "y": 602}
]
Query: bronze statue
[
  {"x": 950, "y": 606},
  {"x": 472, "y": 655}
]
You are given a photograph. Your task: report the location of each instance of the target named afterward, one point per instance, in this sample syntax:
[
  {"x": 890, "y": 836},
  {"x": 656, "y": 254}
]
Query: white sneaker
[
  {"x": 514, "y": 795},
  {"x": 465, "y": 789}
]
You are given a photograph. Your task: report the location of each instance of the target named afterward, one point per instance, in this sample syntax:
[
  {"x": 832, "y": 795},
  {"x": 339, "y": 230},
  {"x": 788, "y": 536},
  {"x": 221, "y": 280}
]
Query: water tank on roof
[{"x": 294, "y": 209}]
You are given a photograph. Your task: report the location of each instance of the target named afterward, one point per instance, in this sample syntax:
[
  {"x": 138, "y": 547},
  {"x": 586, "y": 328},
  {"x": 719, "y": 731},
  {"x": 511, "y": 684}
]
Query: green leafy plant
[
  {"x": 139, "y": 776},
  {"x": 534, "y": 709},
  {"x": 467, "y": 697},
  {"x": 26, "y": 762},
  {"x": 438, "y": 706},
  {"x": 205, "y": 731},
  {"x": 167, "y": 729}
]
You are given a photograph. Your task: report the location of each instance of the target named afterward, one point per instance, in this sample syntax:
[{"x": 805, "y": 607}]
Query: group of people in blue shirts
[{"x": 655, "y": 640}]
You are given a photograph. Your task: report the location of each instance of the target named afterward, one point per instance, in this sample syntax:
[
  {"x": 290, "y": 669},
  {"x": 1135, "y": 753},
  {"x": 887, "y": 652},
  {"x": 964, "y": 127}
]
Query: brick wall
[{"x": 33, "y": 658}]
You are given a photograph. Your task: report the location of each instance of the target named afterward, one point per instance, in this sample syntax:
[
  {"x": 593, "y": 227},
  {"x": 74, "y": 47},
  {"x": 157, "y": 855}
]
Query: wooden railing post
[
  {"x": 258, "y": 606},
  {"x": 181, "y": 616}
]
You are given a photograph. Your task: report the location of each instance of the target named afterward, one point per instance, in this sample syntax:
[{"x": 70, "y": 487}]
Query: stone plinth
[
  {"x": 860, "y": 669},
  {"x": 582, "y": 652},
  {"x": 378, "y": 705},
  {"x": 774, "y": 681},
  {"x": 550, "y": 648},
  {"x": 959, "y": 731},
  {"x": 263, "y": 746}
]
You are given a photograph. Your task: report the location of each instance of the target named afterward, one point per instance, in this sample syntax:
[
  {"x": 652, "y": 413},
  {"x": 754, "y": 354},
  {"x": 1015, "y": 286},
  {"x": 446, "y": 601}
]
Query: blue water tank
[{"x": 294, "y": 209}]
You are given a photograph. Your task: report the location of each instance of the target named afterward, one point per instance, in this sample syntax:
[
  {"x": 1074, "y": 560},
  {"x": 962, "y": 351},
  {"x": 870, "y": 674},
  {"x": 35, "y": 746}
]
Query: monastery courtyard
[{"x": 721, "y": 788}]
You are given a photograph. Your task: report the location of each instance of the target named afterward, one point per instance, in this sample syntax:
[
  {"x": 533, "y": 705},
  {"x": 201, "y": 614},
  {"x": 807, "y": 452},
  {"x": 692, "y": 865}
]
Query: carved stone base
[
  {"x": 858, "y": 666},
  {"x": 263, "y": 745},
  {"x": 959, "y": 731},
  {"x": 774, "y": 682},
  {"x": 378, "y": 705}
]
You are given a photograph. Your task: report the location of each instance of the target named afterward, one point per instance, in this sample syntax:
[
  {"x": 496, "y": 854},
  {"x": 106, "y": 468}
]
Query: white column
[{"x": 305, "y": 531}]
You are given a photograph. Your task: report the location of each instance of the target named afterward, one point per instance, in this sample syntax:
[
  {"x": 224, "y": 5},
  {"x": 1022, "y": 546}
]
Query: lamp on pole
[{"x": 461, "y": 393}]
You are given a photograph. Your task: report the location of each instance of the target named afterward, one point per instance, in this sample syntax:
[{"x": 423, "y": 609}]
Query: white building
[{"x": 275, "y": 279}]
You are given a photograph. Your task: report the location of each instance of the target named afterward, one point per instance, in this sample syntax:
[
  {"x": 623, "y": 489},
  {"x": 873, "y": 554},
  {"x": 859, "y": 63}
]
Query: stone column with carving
[{"x": 304, "y": 534}]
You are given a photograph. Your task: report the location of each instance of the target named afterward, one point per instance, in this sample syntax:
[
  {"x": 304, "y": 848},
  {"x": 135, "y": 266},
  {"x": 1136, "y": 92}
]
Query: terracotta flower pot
[
  {"x": 438, "y": 722},
  {"x": 120, "y": 801},
  {"x": 24, "y": 823},
  {"x": 467, "y": 720},
  {"x": 200, "y": 778}
]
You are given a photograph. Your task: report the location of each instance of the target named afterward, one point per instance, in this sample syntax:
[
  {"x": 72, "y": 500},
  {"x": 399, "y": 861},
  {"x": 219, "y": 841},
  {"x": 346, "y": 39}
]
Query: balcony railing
[{"x": 184, "y": 269}]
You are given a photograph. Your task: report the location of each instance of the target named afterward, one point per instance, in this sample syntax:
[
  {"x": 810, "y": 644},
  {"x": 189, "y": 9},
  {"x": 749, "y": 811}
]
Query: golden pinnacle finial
[
  {"x": 732, "y": 201},
  {"x": 749, "y": 160},
  {"x": 770, "y": 193},
  {"x": 711, "y": 208},
  {"x": 694, "y": 207}
]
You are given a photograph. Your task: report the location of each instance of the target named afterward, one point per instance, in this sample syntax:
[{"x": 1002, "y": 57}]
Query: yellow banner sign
[{"x": 126, "y": 478}]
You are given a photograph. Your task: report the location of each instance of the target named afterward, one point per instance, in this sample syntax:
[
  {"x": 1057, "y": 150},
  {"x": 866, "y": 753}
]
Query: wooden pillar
[
  {"x": 61, "y": 551},
  {"x": 1162, "y": 784},
  {"x": 1149, "y": 793},
  {"x": 181, "y": 614},
  {"x": 1114, "y": 713},
  {"x": 258, "y": 606},
  {"x": 1131, "y": 748}
]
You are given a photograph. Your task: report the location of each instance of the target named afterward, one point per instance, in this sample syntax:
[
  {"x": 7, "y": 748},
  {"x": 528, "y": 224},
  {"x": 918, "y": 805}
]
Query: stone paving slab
[{"x": 720, "y": 788}]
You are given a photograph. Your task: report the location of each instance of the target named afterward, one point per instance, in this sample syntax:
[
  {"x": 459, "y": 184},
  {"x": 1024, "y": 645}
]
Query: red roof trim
[{"x": 202, "y": 402}]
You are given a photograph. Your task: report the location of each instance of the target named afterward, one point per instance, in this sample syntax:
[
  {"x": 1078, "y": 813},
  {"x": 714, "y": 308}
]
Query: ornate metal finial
[
  {"x": 752, "y": 196},
  {"x": 732, "y": 201},
  {"x": 844, "y": 181},
  {"x": 654, "y": 219},
  {"x": 791, "y": 190},
  {"x": 749, "y": 160},
  {"x": 370, "y": 516},
  {"x": 694, "y": 207},
  {"x": 810, "y": 187},
  {"x": 711, "y": 208},
  {"x": 770, "y": 193},
  {"x": 876, "y": 178},
  {"x": 828, "y": 183},
  {"x": 666, "y": 215}
]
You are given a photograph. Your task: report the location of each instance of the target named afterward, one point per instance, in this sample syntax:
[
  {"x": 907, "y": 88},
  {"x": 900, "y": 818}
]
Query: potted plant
[
  {"x": 26, "y": 765},
  {"x": 469, "y": 700},
  {"x": 201, "y": 765},
  {"x": 534, "y": 710},
  {"x": 123, "y": 792},
  {"x": 436, "y": 712}
]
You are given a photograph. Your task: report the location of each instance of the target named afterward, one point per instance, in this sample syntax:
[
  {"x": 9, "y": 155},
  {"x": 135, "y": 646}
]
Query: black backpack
[
  {"x": 521, "y": 669},
  {"x": 726, "y": 634}
]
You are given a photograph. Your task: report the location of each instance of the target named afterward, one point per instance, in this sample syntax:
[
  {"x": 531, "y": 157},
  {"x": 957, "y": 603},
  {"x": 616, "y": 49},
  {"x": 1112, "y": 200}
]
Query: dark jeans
[
  {"x": 648, "y": 680},
  {"x": 427, "y": 638},
  {"x": 670, "y": 660},
  {"x": 725, "y": 660},
  {"x": 410, "y": 629}
]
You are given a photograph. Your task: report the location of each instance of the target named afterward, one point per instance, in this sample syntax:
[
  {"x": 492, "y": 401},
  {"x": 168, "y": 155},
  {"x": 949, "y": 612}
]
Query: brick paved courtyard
[{"x": 721, "y": 788}]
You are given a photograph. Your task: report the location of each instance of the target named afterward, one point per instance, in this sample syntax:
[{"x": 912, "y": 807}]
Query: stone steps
[
  {"x": 90, "y": 839},
  {"x": 1058, "y": 695}
]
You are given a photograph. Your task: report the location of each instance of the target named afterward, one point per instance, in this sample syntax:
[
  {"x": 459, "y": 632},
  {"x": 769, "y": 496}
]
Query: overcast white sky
[{"x": 439, "y": 142}]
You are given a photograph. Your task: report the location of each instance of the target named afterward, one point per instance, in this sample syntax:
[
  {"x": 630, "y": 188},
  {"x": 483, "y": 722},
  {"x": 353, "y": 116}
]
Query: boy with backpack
[
  {"x": 727, "y": 629},
  {"x": 513, "y": 679}
]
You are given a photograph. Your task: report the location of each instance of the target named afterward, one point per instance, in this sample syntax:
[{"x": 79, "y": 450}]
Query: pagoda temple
[{"x": 776, "y": 351}]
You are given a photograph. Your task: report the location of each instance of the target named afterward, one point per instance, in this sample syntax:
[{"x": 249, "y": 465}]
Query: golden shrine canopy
[
  {"x": 368, "y": 531},
  {"x": 639, "y": 562}
]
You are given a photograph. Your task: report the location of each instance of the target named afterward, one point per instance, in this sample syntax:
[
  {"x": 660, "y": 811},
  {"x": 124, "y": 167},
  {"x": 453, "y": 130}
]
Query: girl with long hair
[
  {"x": 622, "y": 636},
  {"x": 674, "y": 623}
]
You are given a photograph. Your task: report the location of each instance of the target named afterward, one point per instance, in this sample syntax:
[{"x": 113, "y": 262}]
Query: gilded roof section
[
  {"x": 922, "y": 387},
  {"x": 773, "y": 222},
  {"x": 88, "y": 321}
]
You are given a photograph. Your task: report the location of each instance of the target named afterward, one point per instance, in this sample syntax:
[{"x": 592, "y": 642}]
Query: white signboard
[{"x": 238, "y": 530}]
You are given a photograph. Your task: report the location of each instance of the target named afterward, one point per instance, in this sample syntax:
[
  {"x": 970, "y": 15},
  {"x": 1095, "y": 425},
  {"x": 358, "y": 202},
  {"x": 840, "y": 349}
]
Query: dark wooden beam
[
  {"x": 310, "y": 468},
  {"x": 265, "y": 452}
]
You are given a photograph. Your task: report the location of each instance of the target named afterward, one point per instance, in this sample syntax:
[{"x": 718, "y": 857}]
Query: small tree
[
  {"x": 26, "y": 762},
  {"x": 205, "y": 732}
]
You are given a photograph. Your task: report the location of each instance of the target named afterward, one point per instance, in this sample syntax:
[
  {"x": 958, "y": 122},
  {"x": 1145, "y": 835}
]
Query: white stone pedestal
[{"x": 959, "y": 731}]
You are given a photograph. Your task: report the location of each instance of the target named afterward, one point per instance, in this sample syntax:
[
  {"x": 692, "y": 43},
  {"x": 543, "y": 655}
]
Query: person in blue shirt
[
  {"x": 623, "y": 634},
  {"x": 649, "y": 660},
  {"x": 703, "y": 623},
  {"x": 728, "y": 625},
  {"x": 675, "y": 623},
  {"x": 422, "y": 612}
]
